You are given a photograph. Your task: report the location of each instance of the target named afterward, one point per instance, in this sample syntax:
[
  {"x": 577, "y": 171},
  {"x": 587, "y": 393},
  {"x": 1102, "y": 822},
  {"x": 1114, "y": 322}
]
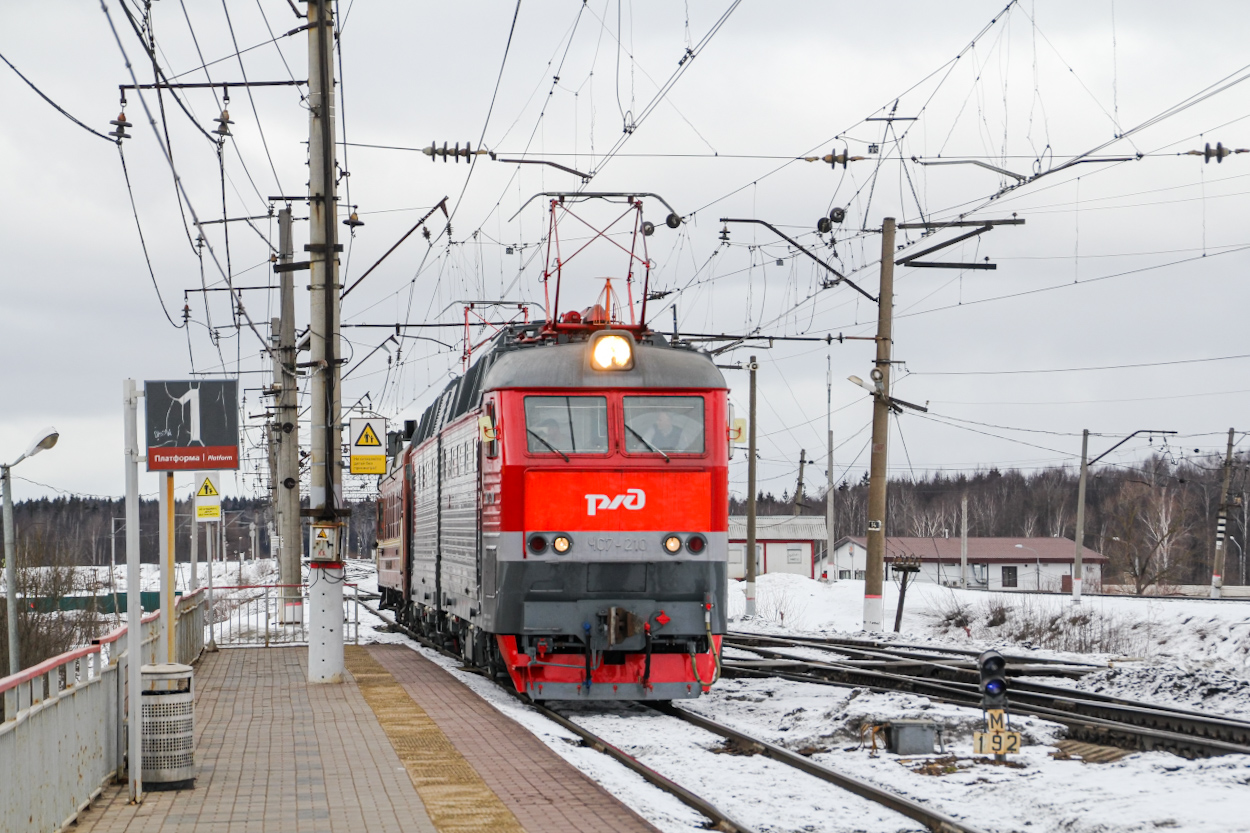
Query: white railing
[
  {"x": 63, "y": 732},
  {"x": 255, "y": 615}
]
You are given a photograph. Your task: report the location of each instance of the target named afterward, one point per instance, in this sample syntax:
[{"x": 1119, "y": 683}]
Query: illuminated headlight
[
  {"x": 612, "y": 352},
  {"x": 562, "y": 544},
  {"x": 673, "y": 544}
]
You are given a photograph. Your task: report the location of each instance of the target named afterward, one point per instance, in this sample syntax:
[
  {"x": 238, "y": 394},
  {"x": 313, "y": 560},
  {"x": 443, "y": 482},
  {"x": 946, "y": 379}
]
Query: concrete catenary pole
[
  {"x": 963, "y": 543},
  {"x": 874, "y": 573},
  {"x": 1221, "y": 521},
  {"x": 325, "y": 637},
  {"x": 831, "y": 567},
  {"x": 798, "y": 492},
  {"x": 1080, "y": 518},
  {"x": 291, "y": 543},
  {"x": 134, "y": 606},
  {"x": 749, "y": 556}
]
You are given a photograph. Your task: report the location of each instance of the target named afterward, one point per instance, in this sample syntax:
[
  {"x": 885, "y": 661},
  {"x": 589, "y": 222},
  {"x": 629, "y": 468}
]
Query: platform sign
[
  {"x": 368, "y": 448},
  {"x": 192, "y": 426},
  {"x": 207, "y": 496}
]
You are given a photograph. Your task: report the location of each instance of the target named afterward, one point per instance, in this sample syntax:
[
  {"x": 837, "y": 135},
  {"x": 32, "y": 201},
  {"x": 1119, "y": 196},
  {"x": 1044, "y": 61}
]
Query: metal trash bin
[{"x": 168, "y": 727}]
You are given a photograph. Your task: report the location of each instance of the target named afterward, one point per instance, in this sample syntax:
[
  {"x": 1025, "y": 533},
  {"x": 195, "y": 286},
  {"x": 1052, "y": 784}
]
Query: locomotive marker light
[
  {"x": 612, "y": 351},
  {"x": 997, "y": 739},
  {"x": 561, "y": 544}
]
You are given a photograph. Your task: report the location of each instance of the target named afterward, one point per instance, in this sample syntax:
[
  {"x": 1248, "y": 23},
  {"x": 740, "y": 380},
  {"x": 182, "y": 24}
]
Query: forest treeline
[
  {"x": 1155, "y": 520},
  {"x": 76, "y": 530}
]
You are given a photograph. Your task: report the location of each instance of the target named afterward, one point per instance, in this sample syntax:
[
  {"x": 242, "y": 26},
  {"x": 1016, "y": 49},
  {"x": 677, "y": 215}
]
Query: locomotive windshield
[
  {"x": 664, "y": 423},
  {"x": 566, "y": 424}
]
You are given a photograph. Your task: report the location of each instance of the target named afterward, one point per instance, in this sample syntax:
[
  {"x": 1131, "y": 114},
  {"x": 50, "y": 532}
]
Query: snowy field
[{"x": 1191, "y": 653}]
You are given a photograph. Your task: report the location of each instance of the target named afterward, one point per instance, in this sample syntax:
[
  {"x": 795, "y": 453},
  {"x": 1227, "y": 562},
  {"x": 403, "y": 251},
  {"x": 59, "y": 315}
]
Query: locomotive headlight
[
  {"x": 561, "y": 544},
  {"x": 538, "y": 544},
  {"x": 673, "y": 544},
  {"x": 612, "y": 352}
]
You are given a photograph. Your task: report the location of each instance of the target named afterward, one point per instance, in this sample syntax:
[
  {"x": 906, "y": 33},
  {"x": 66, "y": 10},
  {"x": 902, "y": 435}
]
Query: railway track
[
  {"x": 933, "y": 819},
  {"x": 1092, "y": 717}
]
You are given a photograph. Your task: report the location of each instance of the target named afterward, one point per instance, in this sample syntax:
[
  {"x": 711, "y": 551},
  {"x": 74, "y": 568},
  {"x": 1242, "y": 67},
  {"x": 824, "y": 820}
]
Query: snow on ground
[
  {"x": 1190, "y": 653},
  {"x": 1189, "y": 633}
]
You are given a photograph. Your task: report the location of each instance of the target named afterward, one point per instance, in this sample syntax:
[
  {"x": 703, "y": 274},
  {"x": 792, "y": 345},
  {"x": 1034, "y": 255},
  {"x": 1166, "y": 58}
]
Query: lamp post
[
  {"x": 44, "y": 439},
  {"x": 1039, "y": 564}
]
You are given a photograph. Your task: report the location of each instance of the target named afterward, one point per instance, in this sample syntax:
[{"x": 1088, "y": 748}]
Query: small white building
[
  {"x": 1036, "y": 564},
  {"x": 783, "y": 544}
]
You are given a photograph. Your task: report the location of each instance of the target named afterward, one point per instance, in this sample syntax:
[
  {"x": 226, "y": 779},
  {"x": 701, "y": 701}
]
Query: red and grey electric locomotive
[{"x": 560, "y": 512}]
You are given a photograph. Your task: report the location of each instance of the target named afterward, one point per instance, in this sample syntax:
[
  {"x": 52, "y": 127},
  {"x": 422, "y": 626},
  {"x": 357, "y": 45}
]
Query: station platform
[{"x": 400, "y": 746}]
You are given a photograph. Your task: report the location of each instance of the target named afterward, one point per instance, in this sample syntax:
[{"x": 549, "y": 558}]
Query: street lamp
[
  {"x": 1039, "y": 564},
  {"x": 44, "y": 439}
]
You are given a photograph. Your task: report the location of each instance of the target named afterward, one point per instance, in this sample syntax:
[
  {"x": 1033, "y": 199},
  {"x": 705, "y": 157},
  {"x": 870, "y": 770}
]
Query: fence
[
  {"x": 63, "y": 735},
  {"x": 254, "y": 615}
]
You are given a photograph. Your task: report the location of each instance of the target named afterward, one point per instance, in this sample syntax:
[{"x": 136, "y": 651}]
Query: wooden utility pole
[
  {"x": 749, "y": 556},
  {"x": 798, "y": 492},
  {"x": 875, "y": 568},
  {"x": 1221, "y": 522}
]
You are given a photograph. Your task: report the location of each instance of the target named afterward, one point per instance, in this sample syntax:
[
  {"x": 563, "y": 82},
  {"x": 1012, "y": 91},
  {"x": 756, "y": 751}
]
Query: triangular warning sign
[
  {"x": 207, "y": 490},
  {"x": 321, "y": 533},
  {"x": 368, "y": 437}
]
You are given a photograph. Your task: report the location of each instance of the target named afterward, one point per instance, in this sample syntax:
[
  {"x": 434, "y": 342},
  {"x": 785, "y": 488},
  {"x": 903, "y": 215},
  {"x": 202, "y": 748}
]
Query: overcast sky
[{"x": 1129, "y": 263}]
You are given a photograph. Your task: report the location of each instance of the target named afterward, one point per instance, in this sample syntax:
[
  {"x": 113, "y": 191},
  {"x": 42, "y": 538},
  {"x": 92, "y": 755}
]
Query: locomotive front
[{"x": 604, "y": 516}]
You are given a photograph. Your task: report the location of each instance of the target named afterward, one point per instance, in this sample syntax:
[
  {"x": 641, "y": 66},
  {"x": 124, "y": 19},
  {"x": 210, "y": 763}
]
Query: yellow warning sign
[
  {"x": 321, "y": 533},
  {"x": 208, "y": 497},
  {"x": 368, "y": 455},
  {"x": 368, "y": 438}
]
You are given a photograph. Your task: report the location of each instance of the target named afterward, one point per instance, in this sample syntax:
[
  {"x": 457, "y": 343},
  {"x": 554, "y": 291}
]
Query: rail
[
  {"x": 63, "y": 721},
  {"x": 264, "y": 615}
]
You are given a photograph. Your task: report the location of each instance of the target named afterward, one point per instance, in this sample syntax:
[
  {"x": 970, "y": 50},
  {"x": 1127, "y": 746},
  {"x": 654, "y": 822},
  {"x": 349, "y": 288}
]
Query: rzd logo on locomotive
[{"x": 632, "y": 499}]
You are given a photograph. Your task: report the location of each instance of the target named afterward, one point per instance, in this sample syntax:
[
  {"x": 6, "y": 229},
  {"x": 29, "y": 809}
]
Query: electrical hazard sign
[
  {"x": 207, "y": 496},
  {"x": 325, "y": 542},
  {"x": 368, "y": 448}
]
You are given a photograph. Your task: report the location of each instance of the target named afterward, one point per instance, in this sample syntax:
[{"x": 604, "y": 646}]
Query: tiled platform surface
[
  {"x": 542, "y": 790},
  {"x": 276, "y": 754}
]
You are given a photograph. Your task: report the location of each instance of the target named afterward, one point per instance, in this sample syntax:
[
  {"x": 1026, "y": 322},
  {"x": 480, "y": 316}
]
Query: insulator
[
  {"x": 223, "y": 123},
  {"x": 443, "y": 153},
  {"x": 648, "y": 228},
  {"x": 724, "y": 234},
  {"x": 672, "y": 220},
  {"x": 837, "y": 215},
  {"x": 823, "y": 225},
  {"x": 353, "y": 221},
  {"x": 121, "y": 124}
]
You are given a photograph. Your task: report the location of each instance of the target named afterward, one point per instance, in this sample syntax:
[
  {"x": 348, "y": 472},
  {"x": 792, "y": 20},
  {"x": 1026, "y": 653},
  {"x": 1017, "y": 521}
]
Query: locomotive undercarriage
[{"x": 563, "y": 645}]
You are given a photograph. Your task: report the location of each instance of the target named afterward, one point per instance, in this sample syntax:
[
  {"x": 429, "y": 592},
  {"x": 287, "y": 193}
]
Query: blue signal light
[{"x": 995, "y": 687}]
